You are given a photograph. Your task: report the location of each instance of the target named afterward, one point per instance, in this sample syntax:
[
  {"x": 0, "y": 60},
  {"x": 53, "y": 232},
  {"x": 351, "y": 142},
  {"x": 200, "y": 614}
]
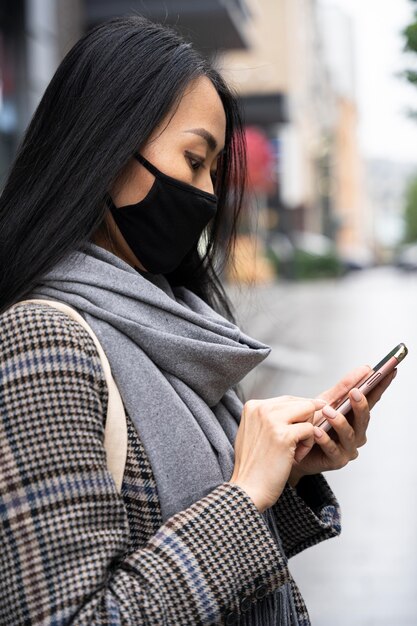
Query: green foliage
[
  {"x": 411, "y": 76},
  {"x": 305, "y": 266},
  {"x": 410, "y": 34},
  {"x": 411, "y": 212},
  {"x": 410, "y": 46},
  {"x": 309, "y": 266}
]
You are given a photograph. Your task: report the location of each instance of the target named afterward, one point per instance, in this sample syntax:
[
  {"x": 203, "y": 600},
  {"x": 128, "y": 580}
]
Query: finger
[
  {"x": 344, "y": 431},
  {"x": 333, "y": 455},
  {"x": 299, "y": 410},
  {"x": 303, "y": 436},
  {"x": 375, "y": 395},
  {"x": 361, "y": 415},
  {"x": 280, "y": 401},
  {"x": 340, "y": 390}
]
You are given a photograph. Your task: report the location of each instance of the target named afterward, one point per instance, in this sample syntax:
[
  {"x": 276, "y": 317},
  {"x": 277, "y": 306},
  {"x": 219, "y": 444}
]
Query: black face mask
[{"x": 163, "y": 227}]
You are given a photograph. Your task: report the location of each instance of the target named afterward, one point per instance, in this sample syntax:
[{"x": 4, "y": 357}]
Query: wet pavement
[{"x": 318, "y": 332}]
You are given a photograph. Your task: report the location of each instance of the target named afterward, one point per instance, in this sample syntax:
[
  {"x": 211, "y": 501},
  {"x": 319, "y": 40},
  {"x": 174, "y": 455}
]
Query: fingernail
[
  {"x": 319, "y": 402},
  {"x": 318, "y": 432},
  {"x": 394, "y": 374},
  {"x": 356, "y": 395},
  {"x": 329, "y": 411}
]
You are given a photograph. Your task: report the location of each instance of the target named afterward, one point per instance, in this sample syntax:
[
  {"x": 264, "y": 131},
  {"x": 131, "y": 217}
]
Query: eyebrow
[{"x": 202, "y": 132}]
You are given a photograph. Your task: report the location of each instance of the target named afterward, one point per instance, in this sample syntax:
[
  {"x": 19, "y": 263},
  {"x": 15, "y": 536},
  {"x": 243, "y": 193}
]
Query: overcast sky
[{"x": 384, "y": 131}]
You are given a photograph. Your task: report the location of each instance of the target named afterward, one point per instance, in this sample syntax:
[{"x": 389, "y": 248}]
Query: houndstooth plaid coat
[{"x": 72, "y": 550}]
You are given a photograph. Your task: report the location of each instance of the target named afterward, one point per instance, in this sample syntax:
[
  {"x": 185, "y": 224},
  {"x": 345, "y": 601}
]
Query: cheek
[
  {"x": 168, "y": 155},
  {"x": 177, "y": 167},
  {"x": 132, "y": 185}
]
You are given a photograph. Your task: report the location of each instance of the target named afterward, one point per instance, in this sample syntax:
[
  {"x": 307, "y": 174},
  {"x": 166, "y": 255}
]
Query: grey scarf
[{"x": 175, "y": 362}]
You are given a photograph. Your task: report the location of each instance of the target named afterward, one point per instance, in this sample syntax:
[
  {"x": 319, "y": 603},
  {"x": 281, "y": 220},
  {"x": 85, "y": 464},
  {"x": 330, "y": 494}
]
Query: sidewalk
[{"x": 318, "y": 332}]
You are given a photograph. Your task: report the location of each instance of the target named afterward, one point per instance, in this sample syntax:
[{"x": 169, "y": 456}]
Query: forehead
[{"x": 199, "y": 107}]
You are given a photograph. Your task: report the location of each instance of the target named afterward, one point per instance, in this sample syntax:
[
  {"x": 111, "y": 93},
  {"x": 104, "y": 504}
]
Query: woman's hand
[
  {"x": 336, "y": 449},
  {"x": 272, "y": 435}
]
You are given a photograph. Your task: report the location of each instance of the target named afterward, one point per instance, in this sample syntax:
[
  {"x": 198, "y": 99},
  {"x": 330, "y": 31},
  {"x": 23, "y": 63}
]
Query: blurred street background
[
  {"x": 325, "y": 266},
  {"x": 318, "y": 331}
]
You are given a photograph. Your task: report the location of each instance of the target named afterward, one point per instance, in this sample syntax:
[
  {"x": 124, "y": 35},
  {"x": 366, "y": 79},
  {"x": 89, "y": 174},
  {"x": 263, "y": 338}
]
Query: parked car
[
  {"x": 357, "y": 258},
  {"x": 406, "y": 257}
]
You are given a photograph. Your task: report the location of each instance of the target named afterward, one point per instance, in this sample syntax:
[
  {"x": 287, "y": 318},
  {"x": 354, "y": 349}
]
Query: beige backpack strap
[{"x": 115, "y": 434}]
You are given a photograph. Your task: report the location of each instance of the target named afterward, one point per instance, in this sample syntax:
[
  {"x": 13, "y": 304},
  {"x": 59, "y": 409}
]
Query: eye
[{"x": 194, "y": 161}]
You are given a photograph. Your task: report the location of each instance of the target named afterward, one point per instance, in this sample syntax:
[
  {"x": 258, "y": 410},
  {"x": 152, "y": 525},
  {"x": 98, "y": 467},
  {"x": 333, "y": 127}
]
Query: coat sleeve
[
  {"x": 307, "y": 514},
  {"x": 64, "y": 534}
]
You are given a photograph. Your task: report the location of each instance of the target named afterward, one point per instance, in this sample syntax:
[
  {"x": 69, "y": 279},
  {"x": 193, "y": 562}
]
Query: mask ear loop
[{"x": 151, "y": 168}]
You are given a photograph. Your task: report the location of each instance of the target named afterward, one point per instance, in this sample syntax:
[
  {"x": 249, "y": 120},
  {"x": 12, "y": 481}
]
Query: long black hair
[{"x": 109, "y": 93}]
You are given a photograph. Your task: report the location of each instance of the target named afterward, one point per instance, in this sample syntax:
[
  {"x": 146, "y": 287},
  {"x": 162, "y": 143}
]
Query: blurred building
[
  {"x": 299, "y": 72},
  {"x": 285, "y": 71},
  {"x": 386, "y": 185},
  {"x": 12, "y": 79},
  {"x": 36, "y": 34},
  {"x": 352, "y": 222},
  {"x": 211, "y": 24},
  {"x": 289, "y": 60}
]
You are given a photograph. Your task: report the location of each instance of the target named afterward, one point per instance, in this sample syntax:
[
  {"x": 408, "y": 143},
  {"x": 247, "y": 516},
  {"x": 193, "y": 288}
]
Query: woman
[{"x": 134, "y": 150}]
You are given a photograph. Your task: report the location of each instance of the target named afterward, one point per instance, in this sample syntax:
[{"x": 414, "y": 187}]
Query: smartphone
[{"x": 381, "y": 369}]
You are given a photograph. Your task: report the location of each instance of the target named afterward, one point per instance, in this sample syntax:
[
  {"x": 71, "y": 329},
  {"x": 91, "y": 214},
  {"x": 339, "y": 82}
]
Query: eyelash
[{"x": 195, "y": 161}]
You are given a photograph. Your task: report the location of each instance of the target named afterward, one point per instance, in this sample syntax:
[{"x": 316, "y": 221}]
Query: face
[{"x": 185, "y": 146}]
